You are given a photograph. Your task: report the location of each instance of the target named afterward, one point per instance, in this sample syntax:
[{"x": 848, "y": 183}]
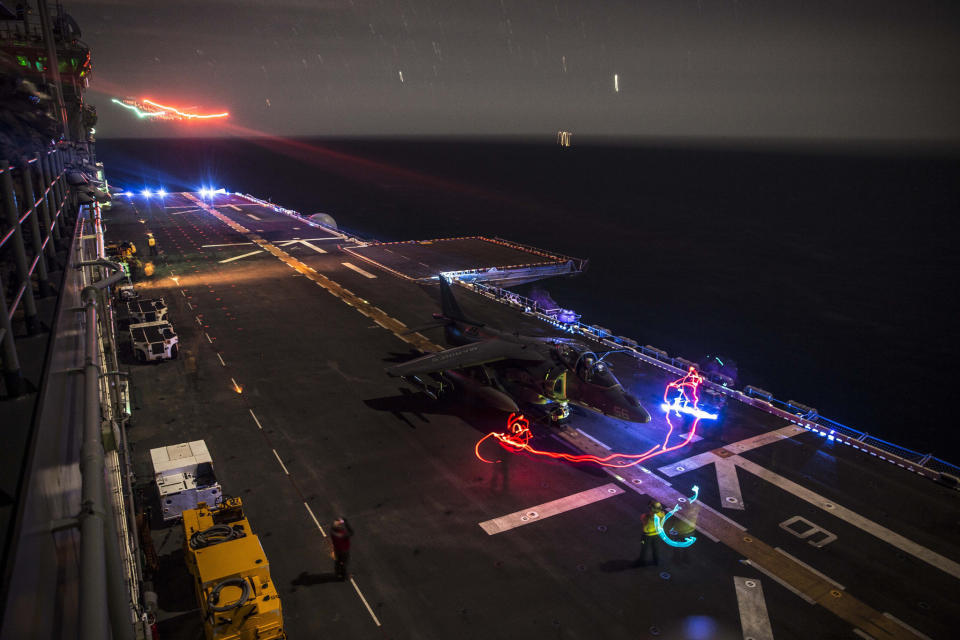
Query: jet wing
[{"x": 468, "y": 355}]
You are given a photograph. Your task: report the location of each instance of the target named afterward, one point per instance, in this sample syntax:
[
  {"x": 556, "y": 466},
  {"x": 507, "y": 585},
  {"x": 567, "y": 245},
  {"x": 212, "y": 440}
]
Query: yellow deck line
[
  {"x": 809, "y": 583},
  {"x": 394, "y": 326}
]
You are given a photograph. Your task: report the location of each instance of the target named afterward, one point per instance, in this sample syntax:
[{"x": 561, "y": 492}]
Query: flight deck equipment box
[
  {"x": 154, "y": 341},
  {"x": 151, "y": 310},
  {"x": 184, "y": 477}
]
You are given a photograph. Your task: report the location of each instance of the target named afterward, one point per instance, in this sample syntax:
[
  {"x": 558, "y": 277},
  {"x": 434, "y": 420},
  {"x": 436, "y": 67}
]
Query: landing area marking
[
  {"x": 807, "y": 584},
  {"x": 754, "y": 618},
  {"x": 726, "y": 461},
  {"x": 354, "y": 267},
  {"x": 552, "y": 508},
  {"x": 394, "y": 326},
  {"x": 244, "y": 255}
]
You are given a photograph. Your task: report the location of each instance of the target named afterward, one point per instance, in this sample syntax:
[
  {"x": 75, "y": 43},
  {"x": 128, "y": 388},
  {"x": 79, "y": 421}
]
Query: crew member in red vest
[{"x": 340, "y": 537}]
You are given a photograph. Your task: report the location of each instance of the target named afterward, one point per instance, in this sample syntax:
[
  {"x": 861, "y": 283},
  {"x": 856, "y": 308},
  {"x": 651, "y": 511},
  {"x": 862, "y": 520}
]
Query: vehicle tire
[
  {"x": 140, "y": 355},
  {"x": 174, "y": 352}
]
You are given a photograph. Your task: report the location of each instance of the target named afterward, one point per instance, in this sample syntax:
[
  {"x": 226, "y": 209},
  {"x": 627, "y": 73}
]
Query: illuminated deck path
[{"x": 281, "y": 372}]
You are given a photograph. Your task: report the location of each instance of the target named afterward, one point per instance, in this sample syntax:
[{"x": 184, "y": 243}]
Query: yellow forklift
[{"x": 231, "y": 574}]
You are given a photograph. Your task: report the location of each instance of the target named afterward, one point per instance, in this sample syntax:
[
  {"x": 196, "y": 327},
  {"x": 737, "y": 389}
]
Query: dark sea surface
[{"x": 830, "y": 276}]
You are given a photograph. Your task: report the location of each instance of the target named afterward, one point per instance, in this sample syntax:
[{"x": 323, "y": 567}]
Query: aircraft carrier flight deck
[{"x": 285, "y": 331}]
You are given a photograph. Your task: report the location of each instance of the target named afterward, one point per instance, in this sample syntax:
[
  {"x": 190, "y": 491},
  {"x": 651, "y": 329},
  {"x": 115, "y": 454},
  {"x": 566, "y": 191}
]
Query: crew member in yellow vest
[
  {"x": 152, "y": 243},
  {"x": 650, "y": 546}
]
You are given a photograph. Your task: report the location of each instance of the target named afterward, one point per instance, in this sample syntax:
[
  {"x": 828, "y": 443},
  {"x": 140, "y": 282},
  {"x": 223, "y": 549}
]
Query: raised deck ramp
[{"x": 474, "y": 258}]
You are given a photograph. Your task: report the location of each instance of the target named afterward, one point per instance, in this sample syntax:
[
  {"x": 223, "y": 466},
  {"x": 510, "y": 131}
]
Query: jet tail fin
[{"x": 450, "y": 307}]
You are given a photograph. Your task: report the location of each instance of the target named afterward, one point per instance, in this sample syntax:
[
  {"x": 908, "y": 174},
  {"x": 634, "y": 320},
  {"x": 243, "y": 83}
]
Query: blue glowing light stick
[{"x": 686, "y": 542}]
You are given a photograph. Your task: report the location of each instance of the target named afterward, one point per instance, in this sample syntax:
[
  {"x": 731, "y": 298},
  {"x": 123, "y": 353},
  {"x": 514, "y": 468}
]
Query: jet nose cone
[{"x": 642, "y": 415}]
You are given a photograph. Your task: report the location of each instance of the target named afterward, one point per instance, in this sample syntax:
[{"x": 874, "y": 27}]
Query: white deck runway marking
[
  {"x": 208, "y": 337},
  {"x": 312, "y": 246},
  {"x": 918, "y": 551},
  {"x": 552, "y": 508},
  {"x": 234, "y": 207},
  {"x": 729, "y": 485},
  {"x": 786, "y": 585},
  {"x": 281, "y": 462},
  {"x": 254, "y": 416},
  {"x": 243, "y": 255},
  {"x": 305, "y": 243},
  {"x": 220, "y": 358},
  {"x": 587, "y": 435},
  {"x": 254, "y": 217},
  {"x": 861, "y": 634},
  {"x": 708, "y": 457},
  {"x": 315, "y": 521},
  {"x": 365, "y": 603},
  {"x": 754, "y": 619},
  {"x": 229, "y": 244},
  {"x": 354, "y": 267}
]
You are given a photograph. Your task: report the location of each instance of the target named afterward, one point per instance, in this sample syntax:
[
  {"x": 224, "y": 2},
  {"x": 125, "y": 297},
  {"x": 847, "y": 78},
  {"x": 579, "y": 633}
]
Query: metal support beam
[
  {"x": 12, "y": 376},
  {"x": 28, "y": 201},
  {"x": 19, "y": 254},
  {"x": 97, "y": 601},
  {"x": 49, "y": 208},
  {"x": 53, "y": 65}
]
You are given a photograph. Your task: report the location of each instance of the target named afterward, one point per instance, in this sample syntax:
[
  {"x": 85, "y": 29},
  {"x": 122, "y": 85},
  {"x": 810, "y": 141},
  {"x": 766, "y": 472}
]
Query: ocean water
[{"x": 829, "y": 276}]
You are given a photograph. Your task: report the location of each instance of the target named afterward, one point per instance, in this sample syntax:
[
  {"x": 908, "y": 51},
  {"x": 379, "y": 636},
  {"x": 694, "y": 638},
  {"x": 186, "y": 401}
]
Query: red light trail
[
  {"x": 147, "y": 108},
  {"x": 518, "y": 435}
]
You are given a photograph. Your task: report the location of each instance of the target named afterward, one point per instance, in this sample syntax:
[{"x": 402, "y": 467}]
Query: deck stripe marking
[
  {"x": 552, "y": 508},
  {"x": 918, "y": 551},
  {"x": 219, "y": 357},
  {"x": 244, "y": 255},
  {"x": 234, "y": 207},
  {"x": 354, "y": 267},
  {"x": 396, "y": 327},
  {"x": 783, "y": 583},
  {"x": 907, "y": 627},
  {"x": 208, "y": 337},
  {"x": 812, "y": 570},
  {"x": 365, "y": 603},
  {"x": 229, "y": 244},
  {"x": 729, "y": 484},
  {"x": 315, "y": 521},
  {"x": 861, "y": 634},
  {"x": 754, "y": 619},
  {"x": 312, "y": 246},
  {"x": 259, "y": 426},
  {"x": 254, "y": 217},
  {"x": 594, "y": 439},
  {"x": 190, "y": 306},
  {"x": 281, "y": 462},
  {"x": 708, "y": 457},
  {"x": 795, "y": 577}
]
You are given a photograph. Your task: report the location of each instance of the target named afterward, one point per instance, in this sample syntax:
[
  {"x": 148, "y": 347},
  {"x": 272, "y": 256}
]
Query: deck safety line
[
  {"x": 802, "y": 579},
  {"x": 394, "y": 326}
]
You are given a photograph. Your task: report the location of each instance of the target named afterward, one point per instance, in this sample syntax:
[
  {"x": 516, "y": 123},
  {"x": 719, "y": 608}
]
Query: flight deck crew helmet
[{"x": 655, "y": 506}]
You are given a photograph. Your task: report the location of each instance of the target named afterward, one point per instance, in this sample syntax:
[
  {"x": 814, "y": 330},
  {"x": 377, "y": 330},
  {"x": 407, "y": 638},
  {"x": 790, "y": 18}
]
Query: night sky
[{"x": 820, "y": 70}]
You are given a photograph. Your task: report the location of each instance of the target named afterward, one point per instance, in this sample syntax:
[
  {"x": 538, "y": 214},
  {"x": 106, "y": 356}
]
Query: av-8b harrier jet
[{"x": 503, "y": 368}]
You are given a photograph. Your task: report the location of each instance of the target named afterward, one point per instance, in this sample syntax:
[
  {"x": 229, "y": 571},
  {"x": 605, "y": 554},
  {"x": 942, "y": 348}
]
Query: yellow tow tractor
[{"x": 231, "y": 574}]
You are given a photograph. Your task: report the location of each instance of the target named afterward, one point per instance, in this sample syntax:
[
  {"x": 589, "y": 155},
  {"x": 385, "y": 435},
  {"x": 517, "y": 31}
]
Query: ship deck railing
[{"x": 925, "y": 464}]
